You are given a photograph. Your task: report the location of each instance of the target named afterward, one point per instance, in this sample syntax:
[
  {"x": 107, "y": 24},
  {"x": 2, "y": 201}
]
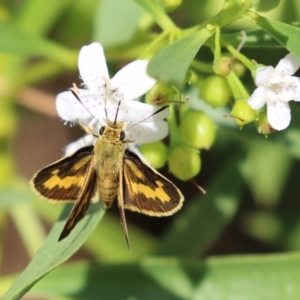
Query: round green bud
[
  {"x": 171, "y": 5},
  {"x": 184, "y": 162},
  {"x": 238, "y": 68},
  {"x": 223, "y": 66},
  {"x": 243, "y": 113},
  {"x": 160, "y": 94},
  {"x": 265, "y": 5},
  {"x": 262, "y": 124},
  {"x": 155, "y": 153},
  {"x": 215, "y": 91},
  {"x": 197, "y": 129}
]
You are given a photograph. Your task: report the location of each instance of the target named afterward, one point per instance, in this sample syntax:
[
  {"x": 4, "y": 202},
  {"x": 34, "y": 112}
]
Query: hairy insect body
[{"x": 108, "y": 160}]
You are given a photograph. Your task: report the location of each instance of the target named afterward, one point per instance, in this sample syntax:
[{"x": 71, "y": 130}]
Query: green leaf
[
  {"x": 112, "y": 246},
  {"x": 52, "y": 253},
  {"x": 111, "y": 27},
  {"x": 261, "y": 277},
  {"x": 265, "y": 5},
  {"x": 14, "y": 40},
  {"x": 265, "y": 178},
  {"x": 206, "y": 217},
  {"x": 171, "y": 63},
  {"x": 254, "y": 39},
  {"x": 287, "y": 35}
]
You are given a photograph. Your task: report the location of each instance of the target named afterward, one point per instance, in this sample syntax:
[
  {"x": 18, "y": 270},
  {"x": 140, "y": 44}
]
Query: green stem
[
  {"x": 217, "y": 53},
  {"x": 245, "y": 60},
  {"x": 175, "y": 138},
  {"x": 156, "y": 10},
  {"x": 202, "y": 66},
  {"x": 238, "y": 90},
  {"x": 33, "y": 233},
  {"x": 152, "y": 47},
  {"x": 42, "y": 71}
]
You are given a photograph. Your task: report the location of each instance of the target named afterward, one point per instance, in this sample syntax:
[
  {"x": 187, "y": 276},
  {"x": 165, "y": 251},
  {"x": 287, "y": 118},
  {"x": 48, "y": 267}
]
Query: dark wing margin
[
  {"x": 82, "y": 203},
  {"x": 146, "y": 191},
  {"x": 63, "y": 180}
]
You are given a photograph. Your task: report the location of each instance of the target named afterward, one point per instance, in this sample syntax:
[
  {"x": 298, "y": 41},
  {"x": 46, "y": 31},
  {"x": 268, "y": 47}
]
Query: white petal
[
  {"x": 258, "y": 99},
  {"x": 84, "y": 141},
  {"x": 296, "y": 95},
  {"x": 132, "y": 80},
  {"x": 288, "y": 65},
  {"x": 92, "y": 66},
  {"x": 279, "y": 114},
  {"x": 133, "y": 112},
  {"x": 147, "y": 132},
  {"x": 70, "y": 109},
  {"x": 263, "y": 75},
  {"x": 285, "y": 93}
]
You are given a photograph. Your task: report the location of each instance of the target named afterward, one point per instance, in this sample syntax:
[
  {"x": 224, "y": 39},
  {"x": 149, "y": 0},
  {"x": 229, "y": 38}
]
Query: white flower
[
  {"x": 86, "y": 140},
  {"x": 275, "y": 87},
  {"x": 105, "y": 99}
]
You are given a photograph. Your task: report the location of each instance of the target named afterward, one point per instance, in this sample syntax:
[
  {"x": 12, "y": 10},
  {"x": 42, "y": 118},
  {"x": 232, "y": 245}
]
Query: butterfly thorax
[{"x": 108, "y": 160}]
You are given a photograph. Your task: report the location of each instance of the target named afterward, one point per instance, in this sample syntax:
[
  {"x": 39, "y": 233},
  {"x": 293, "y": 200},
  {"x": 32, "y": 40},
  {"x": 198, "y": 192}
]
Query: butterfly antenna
[
  {"x": 75, "y": 94},
  {"x": 117, "y": 112},
  {"x": 155, "y": 113},
  {"x": 105, "y": 109}
]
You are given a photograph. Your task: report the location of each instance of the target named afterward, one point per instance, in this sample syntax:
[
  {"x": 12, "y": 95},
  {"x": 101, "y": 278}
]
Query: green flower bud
[
  {"x": 265, "y": 5},
  {"x": 160, "y": 94},
  {"x": 171, "y": 5},
  {"x": 243, "y": 113},
  {"x": 262, "y": 124},
  {"x": 184, "y": 162},
  {"x": 215, "y": 90},
  {"x": 197, "y": 129},
  {"x": 238, "y": 68},
  {"x": 155, "y": 153},
  {"x": 223, "y": 66}
]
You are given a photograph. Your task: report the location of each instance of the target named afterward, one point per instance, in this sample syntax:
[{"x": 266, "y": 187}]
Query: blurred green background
[{"x": 252, "y": 202}]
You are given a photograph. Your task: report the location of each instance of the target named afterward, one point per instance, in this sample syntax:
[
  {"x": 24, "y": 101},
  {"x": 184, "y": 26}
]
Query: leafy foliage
[{"x": 251, "y": 205}]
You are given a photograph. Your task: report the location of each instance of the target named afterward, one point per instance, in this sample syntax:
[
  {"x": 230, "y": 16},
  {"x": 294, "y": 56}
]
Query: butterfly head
[
  {"x": 113, "y": 130},
  {"x": 140, "y": 122}
]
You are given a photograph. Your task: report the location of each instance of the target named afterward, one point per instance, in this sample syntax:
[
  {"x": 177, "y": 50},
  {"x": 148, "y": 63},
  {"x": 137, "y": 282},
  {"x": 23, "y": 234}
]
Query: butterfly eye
[
  {"x": 122, "y": 135},
  {"x": 101, "y": 130}
]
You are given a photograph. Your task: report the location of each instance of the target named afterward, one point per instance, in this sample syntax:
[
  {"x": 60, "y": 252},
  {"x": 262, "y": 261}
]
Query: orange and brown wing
[
  {"x": 146, "y": 191},
  {"x": 64, "y": 179},
  {"x": 82, "y": 203}
]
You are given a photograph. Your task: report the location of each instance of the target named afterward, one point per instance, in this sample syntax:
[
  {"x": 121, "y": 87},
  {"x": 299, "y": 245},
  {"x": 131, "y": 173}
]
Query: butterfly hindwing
[
  {"x": 147, "y": 191},
  {"x": 82, "y": 203},
  {"x": 63, "y": 180}
]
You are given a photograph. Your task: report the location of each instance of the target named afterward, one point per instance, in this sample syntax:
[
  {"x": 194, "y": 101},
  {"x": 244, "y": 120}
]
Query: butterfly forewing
[
  {"x": 63, "y": 180},
  {"x": 147, "y": 191}
]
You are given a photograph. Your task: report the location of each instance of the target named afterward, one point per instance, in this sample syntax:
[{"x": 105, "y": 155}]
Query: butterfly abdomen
[{"x": 108, "y": 160}]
